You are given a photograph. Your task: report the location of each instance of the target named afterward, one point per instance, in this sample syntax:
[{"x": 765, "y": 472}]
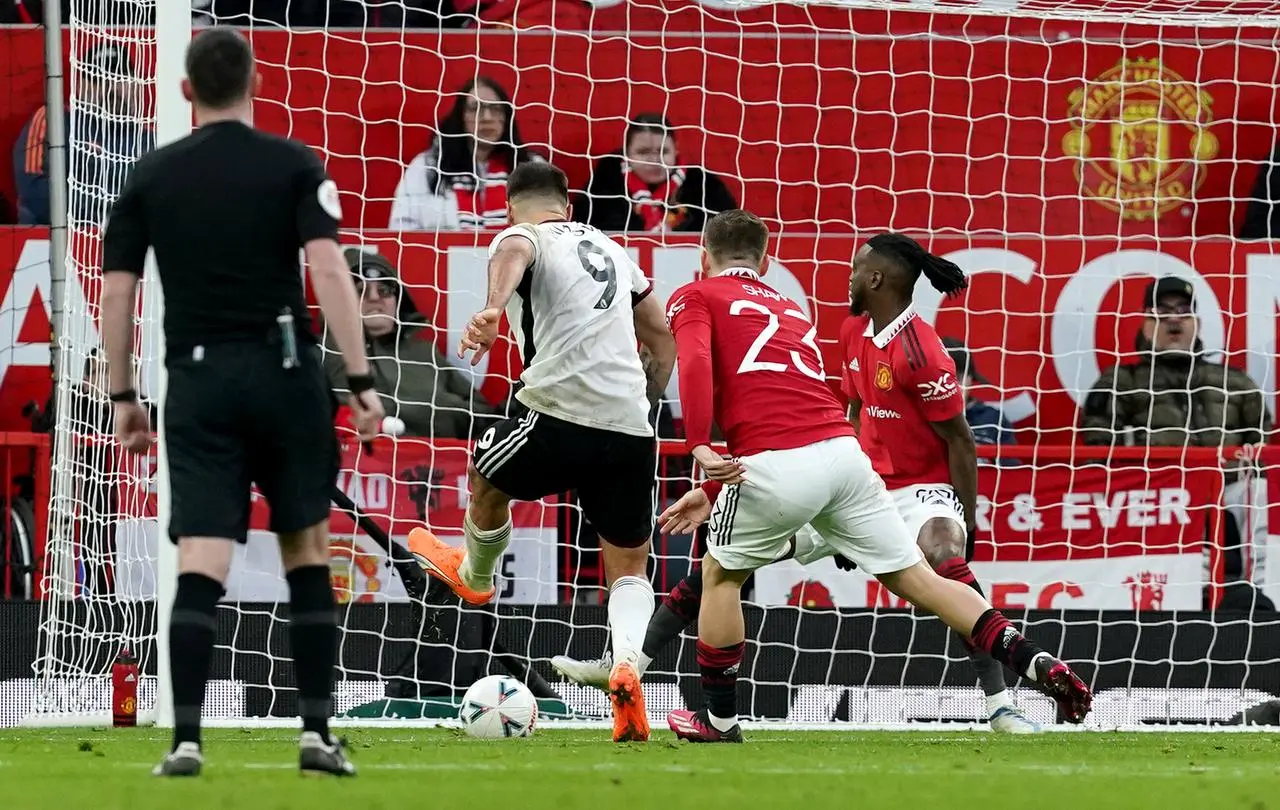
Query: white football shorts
[
  {"x": 917, "y": 504},
  {"x": 829, "y": 485}
]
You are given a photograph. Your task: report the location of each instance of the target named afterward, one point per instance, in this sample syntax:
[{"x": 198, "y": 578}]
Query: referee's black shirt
[{"x": 227, "y": 209}]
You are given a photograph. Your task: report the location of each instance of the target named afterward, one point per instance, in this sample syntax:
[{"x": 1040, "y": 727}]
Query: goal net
[{"x": 1068, "y": 155}]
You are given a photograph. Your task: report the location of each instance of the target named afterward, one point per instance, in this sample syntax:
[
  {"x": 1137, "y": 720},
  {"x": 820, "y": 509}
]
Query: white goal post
[{"x": 1065, "y": 154}]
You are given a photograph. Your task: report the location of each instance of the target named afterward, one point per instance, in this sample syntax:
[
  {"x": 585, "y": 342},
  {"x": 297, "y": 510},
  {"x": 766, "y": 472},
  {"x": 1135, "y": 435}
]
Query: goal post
[
  {"x": 173, "y": 122},
  {"x": 70, "y": 691},
  {"x": 1065, "y": 153}
]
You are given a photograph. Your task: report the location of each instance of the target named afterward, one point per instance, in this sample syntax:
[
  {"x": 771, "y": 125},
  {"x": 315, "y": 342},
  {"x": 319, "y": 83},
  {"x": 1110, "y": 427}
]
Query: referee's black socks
[
  {"x": 191, "y": 632},
  {"x": 313, "y": 633}
]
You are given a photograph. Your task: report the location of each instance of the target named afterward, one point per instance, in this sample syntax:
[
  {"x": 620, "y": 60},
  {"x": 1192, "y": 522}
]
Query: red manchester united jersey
[
  {"x": 748, "y": 360},
  {"x": 904, "y": 379}
]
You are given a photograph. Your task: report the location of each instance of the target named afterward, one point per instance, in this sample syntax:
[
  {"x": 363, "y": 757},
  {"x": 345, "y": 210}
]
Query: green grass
[{"x": 410, "y": 769}]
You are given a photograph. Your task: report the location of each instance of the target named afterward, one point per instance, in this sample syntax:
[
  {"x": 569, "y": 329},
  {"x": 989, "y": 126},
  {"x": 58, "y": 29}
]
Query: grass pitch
[{"x": 407, "y": 769}]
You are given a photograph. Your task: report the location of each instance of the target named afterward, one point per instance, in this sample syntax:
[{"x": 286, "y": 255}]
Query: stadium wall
[{"x": 801, "y": 665}]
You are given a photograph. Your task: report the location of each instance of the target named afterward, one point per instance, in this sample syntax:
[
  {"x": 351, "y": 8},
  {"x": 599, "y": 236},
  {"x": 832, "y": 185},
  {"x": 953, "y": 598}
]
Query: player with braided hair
[{"x": 904, "y": 380}]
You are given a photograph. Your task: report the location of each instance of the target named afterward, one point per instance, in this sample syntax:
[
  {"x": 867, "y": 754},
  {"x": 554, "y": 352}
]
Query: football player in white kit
[{"x": 578, "y": 304}]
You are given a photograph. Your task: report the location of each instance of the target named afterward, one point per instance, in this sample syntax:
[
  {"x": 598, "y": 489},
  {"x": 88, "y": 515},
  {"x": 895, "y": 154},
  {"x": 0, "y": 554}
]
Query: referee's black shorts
[{"x": 235, "y": 417}]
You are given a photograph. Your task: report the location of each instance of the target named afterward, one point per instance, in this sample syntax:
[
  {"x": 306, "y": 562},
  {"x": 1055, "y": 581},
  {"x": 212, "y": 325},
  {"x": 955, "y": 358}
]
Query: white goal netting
[{"x": 1067, "y": 154}]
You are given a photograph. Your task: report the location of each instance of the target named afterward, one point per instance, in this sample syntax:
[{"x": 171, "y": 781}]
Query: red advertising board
[
  {"x": 1042, "y": 317},
  {"x": 918, "y": 122},
  {"x": 1107, "y": 533}
]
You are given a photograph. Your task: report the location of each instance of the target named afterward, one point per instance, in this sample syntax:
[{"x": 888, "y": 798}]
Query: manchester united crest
[
  {"x": 884, "y": 376},
  {"x": 1141, "y": 133}
]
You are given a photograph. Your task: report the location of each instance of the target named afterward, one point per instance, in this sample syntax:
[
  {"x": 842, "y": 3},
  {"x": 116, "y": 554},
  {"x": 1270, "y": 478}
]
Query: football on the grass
[{"x": 498, "y": 706}]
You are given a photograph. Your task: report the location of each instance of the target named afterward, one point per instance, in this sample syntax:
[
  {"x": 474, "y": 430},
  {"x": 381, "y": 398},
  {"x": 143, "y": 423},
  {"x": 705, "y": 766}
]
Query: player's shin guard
[
  {"x": 191, "y": 633},
  {"x": 484, "y": 550},
  {"x": 719, "y": 668},
  {"x": 995, "y": 634},
  {"x": 630, "y": 608},
  {"x": 990, "y": 671},
  {"x": 678, "y": 610},
  {"x": 313, "y": 634}
]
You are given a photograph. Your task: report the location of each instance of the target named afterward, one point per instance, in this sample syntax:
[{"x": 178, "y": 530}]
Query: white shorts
[
  {"x": 917, "y": 504},
  {"x": 829, "y": 485}
]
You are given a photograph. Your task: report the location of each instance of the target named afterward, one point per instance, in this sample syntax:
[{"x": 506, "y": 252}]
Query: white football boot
[
  {"x": 1011, "y": 720},
  {"x": 587, "y": 673}
]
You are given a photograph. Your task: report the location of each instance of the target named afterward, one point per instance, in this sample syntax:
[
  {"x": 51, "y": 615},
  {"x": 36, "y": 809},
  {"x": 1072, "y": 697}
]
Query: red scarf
[
  {"x": 482, "y": 201},
  {"x": 656, "y": 207}
]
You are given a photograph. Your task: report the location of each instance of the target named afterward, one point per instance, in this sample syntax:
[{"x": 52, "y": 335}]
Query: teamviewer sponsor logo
[
  {"x": 876, "y": 412},
  {"x": 941, "y": 388}
]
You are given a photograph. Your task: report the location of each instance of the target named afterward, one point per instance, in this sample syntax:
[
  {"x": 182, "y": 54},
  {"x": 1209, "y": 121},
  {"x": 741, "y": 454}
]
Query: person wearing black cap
[
  {"x": 110, "y": 134},
  {"x": 226, "y": 211},
  {"x": 985, "y": 421},
  {"x": 411, "y": 375},
  {"x": 1173, "y": 396}
]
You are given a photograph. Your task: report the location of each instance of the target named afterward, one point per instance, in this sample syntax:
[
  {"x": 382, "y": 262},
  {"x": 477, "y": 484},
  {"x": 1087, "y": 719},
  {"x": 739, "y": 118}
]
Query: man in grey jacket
[{"x": 414, "y": 380}]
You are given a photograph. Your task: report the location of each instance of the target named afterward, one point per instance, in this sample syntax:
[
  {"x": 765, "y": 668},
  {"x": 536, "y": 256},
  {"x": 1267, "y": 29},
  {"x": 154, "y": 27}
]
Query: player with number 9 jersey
[{"x": 579, "y": 305}]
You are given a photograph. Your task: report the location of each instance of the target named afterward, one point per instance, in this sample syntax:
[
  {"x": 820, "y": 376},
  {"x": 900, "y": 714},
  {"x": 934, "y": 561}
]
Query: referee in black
[{"x": 226, "y": 210}]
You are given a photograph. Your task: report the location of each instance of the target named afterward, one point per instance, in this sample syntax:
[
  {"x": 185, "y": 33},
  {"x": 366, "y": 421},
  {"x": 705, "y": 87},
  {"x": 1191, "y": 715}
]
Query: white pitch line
[{"x": 844, "y": 770}]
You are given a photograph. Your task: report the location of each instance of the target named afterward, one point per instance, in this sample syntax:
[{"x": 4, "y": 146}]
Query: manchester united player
[
  {"x": 909, "y": 409},
  {"x": 903, "y": 394},
  {"x": 748, "y": 360}
]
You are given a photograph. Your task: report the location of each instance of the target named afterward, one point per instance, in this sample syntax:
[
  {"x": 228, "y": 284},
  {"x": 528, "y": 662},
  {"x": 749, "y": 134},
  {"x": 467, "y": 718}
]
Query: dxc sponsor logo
[{"x": 938, "y": 389}]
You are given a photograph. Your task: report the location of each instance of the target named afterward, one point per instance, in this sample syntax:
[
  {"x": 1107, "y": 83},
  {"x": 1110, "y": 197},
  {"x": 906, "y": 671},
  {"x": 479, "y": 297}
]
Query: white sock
[
  {"x": 1031, "y": 673},
  {"x": 643, "y": 665},
  {"x": 484, "y": 549},
  {"x": 998, "y": 701},
  {"x": 722, "y": 723},
  {"x": 630, "y": 608}
]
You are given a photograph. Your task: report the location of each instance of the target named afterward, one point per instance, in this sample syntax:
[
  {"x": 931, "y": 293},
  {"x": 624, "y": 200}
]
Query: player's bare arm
[
  {"x": 119, "y": 293},
  {"x": 331, "y": 280},
  {"x": 506, "y": 267},
  {"x": 659, "y": 348},
  {"x": 962, "y": 459}
]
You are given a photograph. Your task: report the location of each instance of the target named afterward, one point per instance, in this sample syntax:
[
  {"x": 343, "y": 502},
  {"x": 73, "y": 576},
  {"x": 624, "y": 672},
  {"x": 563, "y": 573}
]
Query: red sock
[
  {"x": 997, "y": 636},
  {"x": 957, "y": 569},
  {"x": 685, "y": 598},
  {"x": 719, "y": 668}
]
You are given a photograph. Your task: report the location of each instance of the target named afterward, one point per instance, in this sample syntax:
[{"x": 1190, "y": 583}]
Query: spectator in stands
[
  {"x": 416, "y": 382},
  {"x": 986, "y": 422},
  {"x": 1262, "y": 215},
  {"x": 110, "y": 137},
  {"x": 644, "y": 187},
  {"x": 561, "y": 15},
  {"x": 1174, "y": 397},
  {"x": 460, "y": 181}
]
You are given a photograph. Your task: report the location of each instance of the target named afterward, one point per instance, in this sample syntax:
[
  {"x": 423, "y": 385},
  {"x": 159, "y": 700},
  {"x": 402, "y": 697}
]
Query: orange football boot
[
  {"x": 441, "y": 561},
  {"x": 630, "y": 722}
]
